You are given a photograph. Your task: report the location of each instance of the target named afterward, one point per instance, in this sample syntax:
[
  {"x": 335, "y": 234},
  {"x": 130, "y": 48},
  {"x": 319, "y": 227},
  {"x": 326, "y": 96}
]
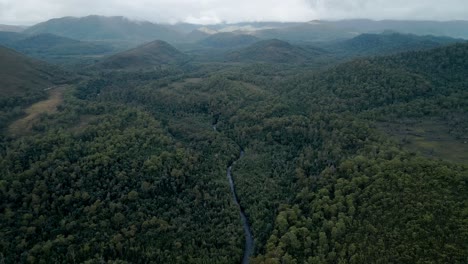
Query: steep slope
[
  {"x": 50, "y": 44},
  {"x": 104, "y": 28},
  {"x": 20, "y": 74},
  {"x": 372, "y": 44},
  {"x": 22, "y": 82},
  {"x": 228, "y": 40},
  {"x": 145, "y": 56},
  {"x": 273, "y": 51}
]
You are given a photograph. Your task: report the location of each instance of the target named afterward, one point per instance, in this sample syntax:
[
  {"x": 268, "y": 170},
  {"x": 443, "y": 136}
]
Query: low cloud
[{"x": 216, "y": 11}]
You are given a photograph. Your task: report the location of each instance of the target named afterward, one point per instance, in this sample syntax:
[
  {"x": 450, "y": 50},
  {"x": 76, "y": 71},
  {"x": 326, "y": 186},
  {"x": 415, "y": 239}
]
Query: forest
[{"x": 130, "y": 166}]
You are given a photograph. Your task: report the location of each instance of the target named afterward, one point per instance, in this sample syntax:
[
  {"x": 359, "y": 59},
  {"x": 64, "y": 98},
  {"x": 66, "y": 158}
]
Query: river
[{"x": 249, "y": 241}]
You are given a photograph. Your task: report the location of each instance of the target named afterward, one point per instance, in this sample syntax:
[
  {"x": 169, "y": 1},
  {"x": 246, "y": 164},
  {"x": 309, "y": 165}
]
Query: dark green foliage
[
  {"x": 147, "y": 56},
  {"x": 112, "y": 187},
  {"x": 273, "y": 51},
  {"x": 52, "y": 45},
  {"x": 130, "y": 169},
  {"x": 377, "y": 44}
]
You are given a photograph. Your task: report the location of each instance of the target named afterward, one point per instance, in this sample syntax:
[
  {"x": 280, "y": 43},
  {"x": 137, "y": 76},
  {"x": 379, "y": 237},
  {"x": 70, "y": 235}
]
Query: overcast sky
[{"x": 28, "y": 12}]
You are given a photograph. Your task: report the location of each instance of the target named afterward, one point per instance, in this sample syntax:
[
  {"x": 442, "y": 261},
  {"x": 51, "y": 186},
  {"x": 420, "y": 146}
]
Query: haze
[{"x": 27, "y": 12}]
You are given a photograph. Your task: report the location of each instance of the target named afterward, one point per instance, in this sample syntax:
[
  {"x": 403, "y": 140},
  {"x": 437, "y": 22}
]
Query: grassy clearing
[
  {"x": 184, "y": 82},
  {"x": 24, "y": 125},
  {"x": 430, "y": 138}
]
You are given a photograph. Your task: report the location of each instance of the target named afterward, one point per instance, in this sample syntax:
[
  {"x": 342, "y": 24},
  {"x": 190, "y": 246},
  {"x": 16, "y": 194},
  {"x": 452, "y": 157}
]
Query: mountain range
[{"x": 130, "y": 31}]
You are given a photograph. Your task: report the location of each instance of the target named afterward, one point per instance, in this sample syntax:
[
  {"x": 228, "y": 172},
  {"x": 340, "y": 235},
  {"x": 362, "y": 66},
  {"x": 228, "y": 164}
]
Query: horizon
[
  {"x": 209, "y": 12},
  {"x": 240, "y": 22}
]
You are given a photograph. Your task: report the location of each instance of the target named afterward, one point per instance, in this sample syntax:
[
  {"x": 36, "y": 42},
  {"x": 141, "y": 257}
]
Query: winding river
[{"x": 249, "y": 242}]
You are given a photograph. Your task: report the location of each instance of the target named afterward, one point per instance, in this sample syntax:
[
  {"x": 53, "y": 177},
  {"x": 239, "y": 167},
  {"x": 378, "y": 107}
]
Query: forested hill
[
  {"x": 131, "y": 167},
  {"x": 228, "y": 40},
  {"x": 23, "y": 81},
  {"x": 363, "y": 84},
  {"x": 387, "y": 43},
  {"x": 21, "y": 75},
  {"x": 379, "y": 204},
  {"x": 148, "y": 55},
  {"x": 272, "y": 51}
]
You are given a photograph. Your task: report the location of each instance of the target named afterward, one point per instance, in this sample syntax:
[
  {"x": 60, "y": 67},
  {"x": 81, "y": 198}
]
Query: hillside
[
  {"x": 52, "y": 45},
  {"x": 273, "y": 51},
  {"x": 228, "y": 40},
  {"x": 10, "y": 28},
  {"x": 306, "y": 32},
  {"x": 55, "y": 49},
  {"x": 378, "y": 44},
  {"x": 20, "y": 74},
  {"x": 356, "y": 202},
  {"x": 454, "y": 29},
  {"x": 148, "y": 55},
  {"x": 104, "y": 28},
  {"x": 9, "y": 37},
  {"x": 23, "y": 81}
]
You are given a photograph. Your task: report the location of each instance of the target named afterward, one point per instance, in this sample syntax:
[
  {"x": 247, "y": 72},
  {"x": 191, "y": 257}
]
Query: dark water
[{"x": 249, "y": 242}]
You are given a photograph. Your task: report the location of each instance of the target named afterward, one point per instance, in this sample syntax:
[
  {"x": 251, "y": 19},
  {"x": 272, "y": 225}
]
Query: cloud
[
  {"x": 215, "y": 11},
  {"x": 394, "y": 9}
]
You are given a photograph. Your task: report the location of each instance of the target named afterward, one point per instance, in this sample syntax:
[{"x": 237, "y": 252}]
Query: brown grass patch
[
  {"x": 184, "y": 82},
  {"x": 430, "y": 138},
  {"x": 49, "y": 106}
]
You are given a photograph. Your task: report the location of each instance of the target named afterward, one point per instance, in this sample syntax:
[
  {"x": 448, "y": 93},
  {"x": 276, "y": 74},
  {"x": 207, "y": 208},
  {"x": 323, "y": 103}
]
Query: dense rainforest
[{"x": 130, "y": 164}]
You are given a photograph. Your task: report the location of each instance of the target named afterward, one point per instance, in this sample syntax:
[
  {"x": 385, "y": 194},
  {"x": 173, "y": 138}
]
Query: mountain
[
  {"x": 307, "y": 32},
  {"x": 273, "y": 51},
  {"x": 50, "y": 44},
  {"x": 195, "y": 36},
  {"x": 21, "y": 74},
  {"x": 228, "y": 40},
  {"x": 322, "y": 30},
  {"x": 145, "y": 56},
  {"x": 10, "y": 28},
  {"x": 105, "y": 28},
  {"x": 373, "y": 44},
  {"x": 9, "y": 37},
  {"x": 121, "y": 29},
  {"x": 55, "y": 49},
  {"x": 455, "y": 29}
]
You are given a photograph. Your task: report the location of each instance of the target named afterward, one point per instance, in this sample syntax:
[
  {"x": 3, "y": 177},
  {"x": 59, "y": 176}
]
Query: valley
[{"x": 127, "y": 141}]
